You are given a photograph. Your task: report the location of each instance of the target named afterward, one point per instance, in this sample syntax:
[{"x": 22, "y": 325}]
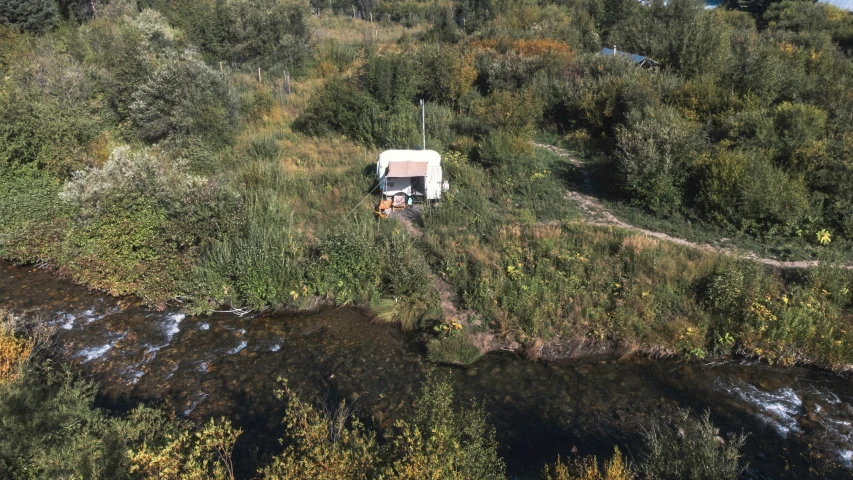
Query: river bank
[{"x": 202, "y": 367}]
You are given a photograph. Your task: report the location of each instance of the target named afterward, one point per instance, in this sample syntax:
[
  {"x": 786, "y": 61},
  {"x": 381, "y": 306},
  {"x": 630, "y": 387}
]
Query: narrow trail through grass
[{"x": 598, "y": 214}]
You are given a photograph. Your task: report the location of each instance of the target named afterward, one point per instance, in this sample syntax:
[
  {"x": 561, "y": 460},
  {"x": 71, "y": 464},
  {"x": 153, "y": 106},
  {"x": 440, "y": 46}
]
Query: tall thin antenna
[{"x": 423, "y": 121}]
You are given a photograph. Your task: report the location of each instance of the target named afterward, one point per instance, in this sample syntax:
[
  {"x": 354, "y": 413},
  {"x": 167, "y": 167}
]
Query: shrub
[
  {"x": 691, "y": 449},
  {"x": 141, "y": 222},
  {"x": 44, "y": 132},
  {"x": 405, "y": 273},
  {"x": 391, "y": 79},
  {"x": 323, "y": 447},
  {"x": 34, "y": 16},
  {"x": 269, "y": 33},
  {"x": 184, "y": 97},
  {"x": 342, "y": 108},
  {"x": 772, "y": 201},
  {"x": 50, "y": 430},
  {"x": 654, "y": 152},
  {"x": 504, "y": 147},
  {"x": 349, "y": 265},
  {"x": 32, "y": 217},
  {"x": 442, "y": 442},
  {"x": 261, "y": 264},
  {"x": 587, "y": 469}
]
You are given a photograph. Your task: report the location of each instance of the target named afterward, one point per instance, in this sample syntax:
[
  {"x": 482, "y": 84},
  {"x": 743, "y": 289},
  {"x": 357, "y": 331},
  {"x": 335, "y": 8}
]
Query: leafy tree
[
  {"x": 270, "y": 33},
  {"x": 184, "y": 97},
  {"x": 34, "y": 16},
  {"x": 441, "y": 442},
  {"x": 340, "y": 107},
  {"x": 323, "y": 448},
  {"x": 50, "y": 430},
  {"x": 654, "y": 153},
  {"x": 797, "y": 127},
  {"x": 391, "y": 79},
  {"x": 691, "y": 449}
]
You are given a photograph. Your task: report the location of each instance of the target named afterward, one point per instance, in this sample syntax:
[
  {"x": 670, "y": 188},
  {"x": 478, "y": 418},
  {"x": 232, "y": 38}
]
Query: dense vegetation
[{"x": 215, "y": 154}]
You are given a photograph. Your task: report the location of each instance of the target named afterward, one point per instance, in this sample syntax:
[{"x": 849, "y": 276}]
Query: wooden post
[
  {"x": 287, "y": 82},
  {"x": 259, "y": 74},
  {"x": 371, "y": 17},
  {"x": 220, "y": 67}
]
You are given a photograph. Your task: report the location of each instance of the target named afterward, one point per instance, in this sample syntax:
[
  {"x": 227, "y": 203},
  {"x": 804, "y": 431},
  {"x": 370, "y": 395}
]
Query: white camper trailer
[{"x": 413, "y": 173}]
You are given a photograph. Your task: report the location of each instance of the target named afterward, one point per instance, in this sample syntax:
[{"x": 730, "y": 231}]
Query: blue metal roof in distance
[
  {"x": 842, "y": 4},
  {"x": 633, "y": 56}
]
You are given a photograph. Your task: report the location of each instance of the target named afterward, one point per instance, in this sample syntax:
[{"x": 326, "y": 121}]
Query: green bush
[
  {"x": 259, "y": 264},
  {"x": 184, "y": 97},
  {"x": 655, "y": 150},
  {"x": 443, "y": 442},
  {"x": 343, "y": 108},
  {"x": 391, "y": 79},
  {"x": 349, "y": 266},
  {"x": 274, "y": 34},
  {"x": 51, "y": 430},
  {"x": 32, "y": 217},
  {"x": 691, "y": 449},
  {"x": 35, "y": 16}
]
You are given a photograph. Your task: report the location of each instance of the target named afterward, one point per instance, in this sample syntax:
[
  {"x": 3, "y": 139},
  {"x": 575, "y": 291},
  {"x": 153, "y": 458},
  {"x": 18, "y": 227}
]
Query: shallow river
[{"x": 225, "y": 365}]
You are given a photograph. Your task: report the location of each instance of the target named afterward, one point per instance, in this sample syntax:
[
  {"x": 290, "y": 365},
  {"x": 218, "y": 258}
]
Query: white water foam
[
  {"x": 204, "y": 326},
  {"x": 778, "y": 408},
  {"x": 133, "y": 372},
  {"x": 242, "y": 331},
  {"x": 275, "y": 348},
  {"x": 172, "y": 324},
  {"x": 203, "y": 367},
  {"x": 238, "y": 348},
  {"x": 92, "y": 353},
  {"x": 196, "y": 403},
  {"x": 67, "y": 320}
]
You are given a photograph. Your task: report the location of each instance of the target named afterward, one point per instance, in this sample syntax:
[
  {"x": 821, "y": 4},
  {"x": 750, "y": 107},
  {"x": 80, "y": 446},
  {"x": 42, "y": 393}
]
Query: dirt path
[
  {"x": 447, "y": 295},
  {"x": 598, "y": 214}
]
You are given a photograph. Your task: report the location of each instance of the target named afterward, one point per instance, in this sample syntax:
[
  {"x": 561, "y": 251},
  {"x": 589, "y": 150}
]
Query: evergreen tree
[{"x": 34, "y": 16}]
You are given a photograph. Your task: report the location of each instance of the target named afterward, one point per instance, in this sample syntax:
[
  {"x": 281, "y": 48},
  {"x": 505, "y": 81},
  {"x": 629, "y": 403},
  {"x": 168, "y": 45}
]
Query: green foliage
[
  {"x": 184, "y": 97},
  {"x": 391, "y": 79},
  {"x": 442, "y": 442},
  {"x": 323, "y": 447},
  {"x": 140, "y": 224},
  {"x": 456, "y": 349},
  {"x": 44, "y": 132},
  {"x": 256, "y": 267},
  {"x": 689, "y": 448},
  {"x": 778, "y": 324},
  {"x": 350, "y": 265},
  {"x": 179, "y": 452},
  {"x": 35, "y": 16},
  {"x": 340, "y": 107},
  {"x": 438, "y": 442},
  {"x": 270, "y": 33},
  {"x": 655, "y": 151},
  {"x": 49, "y": 429},
  {"x": 31, "y": 215}
]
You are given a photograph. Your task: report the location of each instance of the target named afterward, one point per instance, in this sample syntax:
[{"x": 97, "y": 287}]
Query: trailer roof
[
  {"x": 430, "y": 156},
  {"x": 407, "y": 169}
]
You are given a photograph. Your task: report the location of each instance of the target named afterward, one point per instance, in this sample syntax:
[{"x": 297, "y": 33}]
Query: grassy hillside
[{"x": 144, "y": 155}]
